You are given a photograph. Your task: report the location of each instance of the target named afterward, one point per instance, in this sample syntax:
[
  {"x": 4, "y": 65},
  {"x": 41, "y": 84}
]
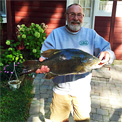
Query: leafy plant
[
  {"x": 11, "y": 54},
  {"x": 32, "y": 38}
]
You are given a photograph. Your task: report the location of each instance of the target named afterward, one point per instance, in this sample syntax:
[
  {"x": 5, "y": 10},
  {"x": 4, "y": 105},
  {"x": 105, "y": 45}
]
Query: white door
[{"x": 87, "y": 6}]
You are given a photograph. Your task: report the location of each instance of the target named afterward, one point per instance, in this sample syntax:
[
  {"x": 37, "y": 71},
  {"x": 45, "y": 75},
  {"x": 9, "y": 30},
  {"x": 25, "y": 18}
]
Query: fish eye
[{"x": 91, "y": 60}]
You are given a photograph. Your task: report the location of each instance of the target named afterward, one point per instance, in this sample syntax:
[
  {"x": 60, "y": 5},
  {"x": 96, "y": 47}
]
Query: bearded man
[{"x": 73, "y": 91}]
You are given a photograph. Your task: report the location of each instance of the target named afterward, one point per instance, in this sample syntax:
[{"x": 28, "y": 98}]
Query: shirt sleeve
[
  {"x": 100, "y": 45},
  {"x": 49, "y": 43}
]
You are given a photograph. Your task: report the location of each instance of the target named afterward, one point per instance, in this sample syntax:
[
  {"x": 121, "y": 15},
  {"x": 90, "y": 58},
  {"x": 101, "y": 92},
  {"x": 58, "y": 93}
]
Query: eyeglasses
[{"x": 72, "y": 15}]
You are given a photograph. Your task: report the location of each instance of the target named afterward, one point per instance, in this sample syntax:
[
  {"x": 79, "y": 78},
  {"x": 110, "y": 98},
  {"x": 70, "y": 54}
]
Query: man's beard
[{"x": 74, "y": 27}]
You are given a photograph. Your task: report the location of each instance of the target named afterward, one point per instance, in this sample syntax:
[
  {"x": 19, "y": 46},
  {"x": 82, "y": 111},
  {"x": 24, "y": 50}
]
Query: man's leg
[
  {"x": 60, "y": 108},
  {"x": 81, "y": 109}
]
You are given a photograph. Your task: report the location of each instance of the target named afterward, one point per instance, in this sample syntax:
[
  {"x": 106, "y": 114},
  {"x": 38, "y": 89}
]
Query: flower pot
[{"x": 14, "y": 84}]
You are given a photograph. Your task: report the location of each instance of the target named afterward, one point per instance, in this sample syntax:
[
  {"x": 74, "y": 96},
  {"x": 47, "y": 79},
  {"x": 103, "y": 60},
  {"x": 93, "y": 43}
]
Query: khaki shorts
[{"x": 61, "y": 107}]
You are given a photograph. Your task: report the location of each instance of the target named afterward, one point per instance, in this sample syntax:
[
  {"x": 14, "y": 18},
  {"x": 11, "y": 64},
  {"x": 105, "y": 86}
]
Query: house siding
[
  {"x": 52, "y": 13},
  {"x": 102, "y": 27},
  {"x": 49, "y": 12}
]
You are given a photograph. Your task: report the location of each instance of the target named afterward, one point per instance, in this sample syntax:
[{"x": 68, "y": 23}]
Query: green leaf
[
  {"x": 21, "y": 56},
  {"x": 18, "y": 51},
  {"x": 16, "y": 59},
  {"x": 14, "y": 45},
  {"x": 9, "y": 56},
  {"x": 17, "y": 43}
]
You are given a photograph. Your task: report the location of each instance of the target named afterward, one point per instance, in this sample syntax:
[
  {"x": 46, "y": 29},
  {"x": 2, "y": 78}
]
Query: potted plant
[
  {"x": 14, "y": 84},
  {"x": 10, "y": 75}
]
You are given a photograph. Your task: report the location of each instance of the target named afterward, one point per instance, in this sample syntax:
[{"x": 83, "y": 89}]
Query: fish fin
[
  {"x": 50, "y": 52},
  {"x": 26, "y": 71},
  {"x": 30, "y": 66},
  {"x": 49, "y": 75}
]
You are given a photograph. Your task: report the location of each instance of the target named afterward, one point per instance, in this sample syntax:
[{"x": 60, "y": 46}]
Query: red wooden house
[{"x": 52, "y": 13}]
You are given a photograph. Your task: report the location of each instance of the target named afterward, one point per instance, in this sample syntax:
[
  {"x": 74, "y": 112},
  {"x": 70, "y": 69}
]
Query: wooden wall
[
  {"x": 3, "y": 34},
  {"x": 51, "y": 12},
  {"x": 102, "y": 27}
]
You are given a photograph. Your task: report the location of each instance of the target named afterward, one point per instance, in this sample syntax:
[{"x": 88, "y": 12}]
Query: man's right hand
[{"x": 43, "y": 69}]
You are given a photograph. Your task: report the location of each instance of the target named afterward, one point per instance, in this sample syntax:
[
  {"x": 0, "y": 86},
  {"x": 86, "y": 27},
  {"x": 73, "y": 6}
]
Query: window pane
[
  {"x": 105, "y": 5},
  {"x": 88, "y": 3},
  {"x": 2, "y": 7},
  {"x": 87, "y": 12},
  {"x": 82, "y": 2}
]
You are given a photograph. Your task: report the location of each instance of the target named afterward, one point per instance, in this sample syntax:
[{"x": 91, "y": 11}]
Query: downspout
[{"x": 111, "y": 34}]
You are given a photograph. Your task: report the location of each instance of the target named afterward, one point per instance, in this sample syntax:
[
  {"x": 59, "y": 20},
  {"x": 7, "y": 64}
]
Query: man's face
[{"x": 74, "y": 18}]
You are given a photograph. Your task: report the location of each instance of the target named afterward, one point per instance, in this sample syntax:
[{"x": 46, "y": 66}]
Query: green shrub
[
  {"x": 11, "y": 54},
  {"x": 32, "y": 38}
]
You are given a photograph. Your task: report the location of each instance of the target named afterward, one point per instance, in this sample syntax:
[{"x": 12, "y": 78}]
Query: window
[
  {"x": 105, "y": 5},
  {"x": 3, "y": 10},
  {"x": 86, "y": 5}
]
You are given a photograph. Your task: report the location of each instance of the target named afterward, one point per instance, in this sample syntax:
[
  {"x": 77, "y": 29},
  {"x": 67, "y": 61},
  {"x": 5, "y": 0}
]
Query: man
[{"x": 73, "y": 91}]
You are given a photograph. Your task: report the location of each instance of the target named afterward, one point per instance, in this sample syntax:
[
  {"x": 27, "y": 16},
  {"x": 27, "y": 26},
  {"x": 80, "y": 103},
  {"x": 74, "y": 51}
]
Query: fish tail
[{"x": 30, "y": 66}]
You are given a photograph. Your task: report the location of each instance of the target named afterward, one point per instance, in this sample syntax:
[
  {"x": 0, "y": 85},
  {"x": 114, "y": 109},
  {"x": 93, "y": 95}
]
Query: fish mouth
[{"x": 97, "y": 65}]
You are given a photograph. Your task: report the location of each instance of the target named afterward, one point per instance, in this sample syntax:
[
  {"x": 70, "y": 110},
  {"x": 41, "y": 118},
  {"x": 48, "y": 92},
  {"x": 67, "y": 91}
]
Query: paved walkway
[{"x": 106, "y": 96}]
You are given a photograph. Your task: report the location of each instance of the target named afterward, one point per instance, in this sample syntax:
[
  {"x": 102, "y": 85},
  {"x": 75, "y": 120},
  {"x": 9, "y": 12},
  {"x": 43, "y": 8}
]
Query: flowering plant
[
  {"x": 32, "y": 38},
  {"x": 7, "y": 71},
  {"x": 8, "y": 56}
]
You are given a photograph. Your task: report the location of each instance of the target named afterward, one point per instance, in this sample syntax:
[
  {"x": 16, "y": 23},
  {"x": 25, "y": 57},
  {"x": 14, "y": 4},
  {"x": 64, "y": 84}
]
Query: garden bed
[
  {"x": 15, "y": 101},
  {"x": 14, "y": 105}
]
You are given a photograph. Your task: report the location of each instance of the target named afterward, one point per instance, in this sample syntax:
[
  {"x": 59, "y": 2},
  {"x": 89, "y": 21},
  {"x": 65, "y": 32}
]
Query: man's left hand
[{"x": 104, "y": 57}]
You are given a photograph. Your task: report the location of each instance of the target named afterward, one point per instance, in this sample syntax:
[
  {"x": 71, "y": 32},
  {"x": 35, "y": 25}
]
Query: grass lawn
[{"x": 14, "y": 105}]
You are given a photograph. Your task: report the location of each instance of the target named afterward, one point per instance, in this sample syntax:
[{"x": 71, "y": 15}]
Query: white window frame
[
  {"x": 3, "y": 11},
  {"x": 98, "y": 12}
]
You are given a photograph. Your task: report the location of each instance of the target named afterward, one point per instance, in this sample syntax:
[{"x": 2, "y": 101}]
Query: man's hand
[
  {"x": 104, "y": 57},
  {"x": 44, "y": 69}
]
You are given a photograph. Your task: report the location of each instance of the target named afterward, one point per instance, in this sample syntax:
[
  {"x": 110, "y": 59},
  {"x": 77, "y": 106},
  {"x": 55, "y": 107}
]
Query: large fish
[{"x": 63, "y": 62}]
